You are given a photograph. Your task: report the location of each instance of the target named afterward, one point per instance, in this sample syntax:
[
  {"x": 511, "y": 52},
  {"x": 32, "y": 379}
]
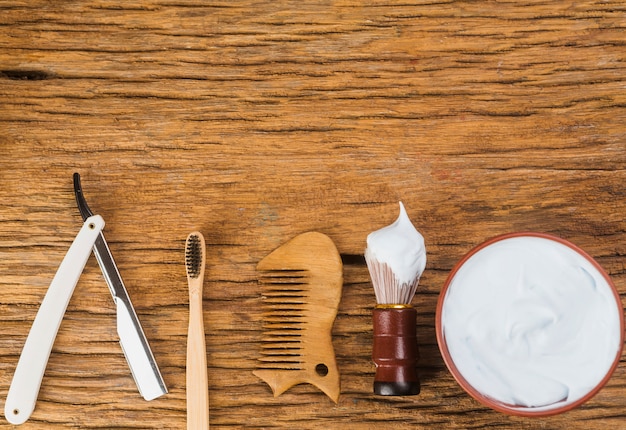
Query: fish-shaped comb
[{"x": 301, "y": 283}]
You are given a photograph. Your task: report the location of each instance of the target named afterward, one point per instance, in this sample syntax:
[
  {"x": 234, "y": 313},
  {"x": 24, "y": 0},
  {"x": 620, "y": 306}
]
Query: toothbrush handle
[
  {"x": 31, "y": 366},
  {"x": 197, "y": 380}
]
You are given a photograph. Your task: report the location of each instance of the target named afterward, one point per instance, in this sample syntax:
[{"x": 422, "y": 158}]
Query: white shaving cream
[
  {"x": 399, "y": 247},
  {"x": 532, "y": 323}
]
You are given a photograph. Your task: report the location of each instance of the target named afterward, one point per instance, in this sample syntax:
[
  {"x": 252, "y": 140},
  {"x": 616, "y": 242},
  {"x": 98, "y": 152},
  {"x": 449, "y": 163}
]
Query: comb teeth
[
  {"x": 285, "y": 295},
  {"x": 193, "y": 256}
]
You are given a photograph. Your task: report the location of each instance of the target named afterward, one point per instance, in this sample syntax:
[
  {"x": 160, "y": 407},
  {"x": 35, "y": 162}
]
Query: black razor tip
[{"x": 83, "y": 208}]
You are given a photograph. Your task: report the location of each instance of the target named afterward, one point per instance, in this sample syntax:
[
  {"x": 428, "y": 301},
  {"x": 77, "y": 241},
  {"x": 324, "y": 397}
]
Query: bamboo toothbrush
[{"x": 197, "y": 381}]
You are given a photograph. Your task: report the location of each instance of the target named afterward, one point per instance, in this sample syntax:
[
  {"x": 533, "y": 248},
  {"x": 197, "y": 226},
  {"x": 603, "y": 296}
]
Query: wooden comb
[{"x": 301, "y": 283}]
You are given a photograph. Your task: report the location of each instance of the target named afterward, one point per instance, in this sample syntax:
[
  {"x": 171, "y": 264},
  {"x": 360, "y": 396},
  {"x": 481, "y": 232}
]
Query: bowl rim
[{"x": 495, "y": 404}]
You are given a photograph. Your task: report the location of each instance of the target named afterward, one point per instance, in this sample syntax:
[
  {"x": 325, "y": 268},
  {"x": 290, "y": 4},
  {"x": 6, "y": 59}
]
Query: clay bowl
[{"x": 489, "y": 264}]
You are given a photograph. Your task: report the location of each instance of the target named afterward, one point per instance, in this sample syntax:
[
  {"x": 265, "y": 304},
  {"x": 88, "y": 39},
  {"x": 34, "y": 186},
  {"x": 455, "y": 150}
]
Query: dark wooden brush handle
[{"x": 395, "y": 351}]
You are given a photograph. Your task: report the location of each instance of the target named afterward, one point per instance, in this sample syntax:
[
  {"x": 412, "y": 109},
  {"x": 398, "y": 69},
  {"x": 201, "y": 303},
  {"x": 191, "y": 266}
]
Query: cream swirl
[{"x": 400, "y": 246}]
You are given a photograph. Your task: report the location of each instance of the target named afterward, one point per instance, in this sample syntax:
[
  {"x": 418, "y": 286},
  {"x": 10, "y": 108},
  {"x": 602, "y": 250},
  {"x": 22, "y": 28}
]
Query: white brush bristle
[{"x": 389, "y": 291}]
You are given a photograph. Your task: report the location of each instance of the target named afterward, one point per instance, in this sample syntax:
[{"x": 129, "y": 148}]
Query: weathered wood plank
[{"x": 256, "y": 121}]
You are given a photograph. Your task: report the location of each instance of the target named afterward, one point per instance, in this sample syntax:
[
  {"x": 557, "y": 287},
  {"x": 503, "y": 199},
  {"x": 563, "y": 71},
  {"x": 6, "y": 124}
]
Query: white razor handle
[{"x": 31, "y": 366}]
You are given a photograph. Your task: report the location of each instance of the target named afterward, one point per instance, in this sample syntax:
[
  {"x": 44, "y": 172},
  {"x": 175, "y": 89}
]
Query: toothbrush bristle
[{"x": 193, "y": 256}]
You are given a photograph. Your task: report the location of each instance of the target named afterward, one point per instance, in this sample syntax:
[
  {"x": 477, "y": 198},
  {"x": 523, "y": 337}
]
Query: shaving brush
[{"x": 395, "y": 257}]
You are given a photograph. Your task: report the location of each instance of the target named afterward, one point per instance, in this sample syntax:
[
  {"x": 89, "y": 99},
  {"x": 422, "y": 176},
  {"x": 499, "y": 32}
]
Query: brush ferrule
[{"x": 393, "y": 306}]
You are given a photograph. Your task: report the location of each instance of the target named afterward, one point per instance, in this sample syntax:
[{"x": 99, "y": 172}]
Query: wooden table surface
[{"x": 254, "y": 122}]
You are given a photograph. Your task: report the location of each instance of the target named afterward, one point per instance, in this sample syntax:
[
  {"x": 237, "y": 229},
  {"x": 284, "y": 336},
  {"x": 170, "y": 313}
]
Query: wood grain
[{"x": 254, "y": 122}]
